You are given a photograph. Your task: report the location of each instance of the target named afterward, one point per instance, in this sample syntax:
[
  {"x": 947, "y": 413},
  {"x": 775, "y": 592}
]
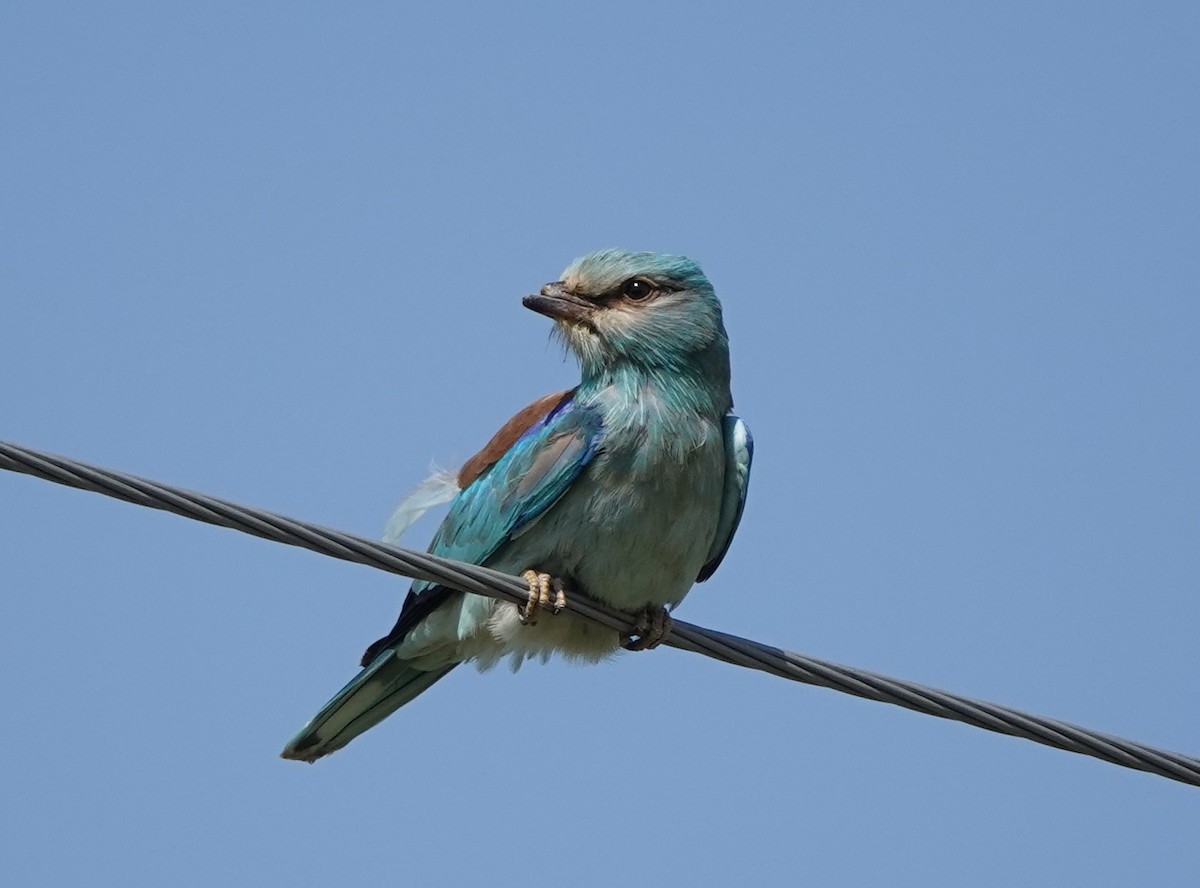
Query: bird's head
[{"x": 647, "y": 310}]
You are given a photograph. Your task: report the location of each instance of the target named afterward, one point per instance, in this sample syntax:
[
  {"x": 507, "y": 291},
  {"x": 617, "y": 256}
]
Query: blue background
[{"x": 275, "y": 252}]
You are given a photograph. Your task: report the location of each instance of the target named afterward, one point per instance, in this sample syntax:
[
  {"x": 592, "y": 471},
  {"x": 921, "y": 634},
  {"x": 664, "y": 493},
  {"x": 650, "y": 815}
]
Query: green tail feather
[{"x": 374, "y": 694}]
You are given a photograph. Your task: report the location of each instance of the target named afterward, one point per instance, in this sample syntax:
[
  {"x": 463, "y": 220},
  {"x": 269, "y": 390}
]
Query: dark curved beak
[{"x": 554, "y": 301}]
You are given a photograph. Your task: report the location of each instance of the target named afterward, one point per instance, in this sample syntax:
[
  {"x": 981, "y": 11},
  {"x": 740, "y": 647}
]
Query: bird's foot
[
  {"x": 652, "y": 628},
  {"x": 545, "y": 591}
]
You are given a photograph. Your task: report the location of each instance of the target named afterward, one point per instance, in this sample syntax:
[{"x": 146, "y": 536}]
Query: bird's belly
[
  {"x": 635, "y": 533},
  {"x": 642, "y": 546}
]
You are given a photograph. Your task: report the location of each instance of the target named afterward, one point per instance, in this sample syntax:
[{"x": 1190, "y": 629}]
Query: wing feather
[
  {"x": 507, "y": 493},
  {"x": 739, "y": 453}
]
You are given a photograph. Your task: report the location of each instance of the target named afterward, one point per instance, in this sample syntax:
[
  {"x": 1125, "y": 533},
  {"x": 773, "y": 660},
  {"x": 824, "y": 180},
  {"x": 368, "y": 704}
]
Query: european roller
[{"x": 627, "y": 488}]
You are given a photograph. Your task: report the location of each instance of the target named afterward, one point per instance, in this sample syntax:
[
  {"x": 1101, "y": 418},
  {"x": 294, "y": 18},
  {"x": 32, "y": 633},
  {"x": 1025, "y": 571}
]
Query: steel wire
[{"x": 685, "y": 636}]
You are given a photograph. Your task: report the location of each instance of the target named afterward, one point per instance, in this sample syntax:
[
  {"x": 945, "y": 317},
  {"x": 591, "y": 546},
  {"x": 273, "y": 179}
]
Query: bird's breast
[{"x": 636, "y": 526}]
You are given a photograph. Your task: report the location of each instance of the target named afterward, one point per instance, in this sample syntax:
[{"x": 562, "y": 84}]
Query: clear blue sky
[{"x": 275, "y": 252}]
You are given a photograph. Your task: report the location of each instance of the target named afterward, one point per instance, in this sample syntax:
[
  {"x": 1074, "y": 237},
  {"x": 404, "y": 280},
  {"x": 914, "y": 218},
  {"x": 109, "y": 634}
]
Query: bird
[{"x": 627, "y": 488}]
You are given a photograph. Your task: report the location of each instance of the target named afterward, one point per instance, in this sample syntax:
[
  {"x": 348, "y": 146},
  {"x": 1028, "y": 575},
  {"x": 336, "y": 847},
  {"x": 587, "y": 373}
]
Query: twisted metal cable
[{"x": 685, "y": 636}]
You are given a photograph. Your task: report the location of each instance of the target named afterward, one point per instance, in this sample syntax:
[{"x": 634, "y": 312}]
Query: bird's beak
[{"x": 555, "y": 301}]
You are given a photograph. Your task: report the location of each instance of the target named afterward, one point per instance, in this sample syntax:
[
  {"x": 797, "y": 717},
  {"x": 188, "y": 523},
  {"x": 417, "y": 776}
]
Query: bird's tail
[{"x": 374, "y": 694}]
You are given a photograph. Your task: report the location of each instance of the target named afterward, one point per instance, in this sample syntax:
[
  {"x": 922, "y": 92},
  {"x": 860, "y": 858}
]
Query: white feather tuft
[{"x": 438, "y": 488}]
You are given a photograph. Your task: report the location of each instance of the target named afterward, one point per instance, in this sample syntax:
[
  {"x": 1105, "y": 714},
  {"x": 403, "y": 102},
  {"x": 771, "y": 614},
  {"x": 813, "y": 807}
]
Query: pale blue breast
[
  {"x": 634, "y": 529},
  {"x": 636, "y": 526}
]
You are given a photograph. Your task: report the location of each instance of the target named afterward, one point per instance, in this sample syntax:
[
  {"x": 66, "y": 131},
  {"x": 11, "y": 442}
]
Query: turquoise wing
[
  {"x": 503, "y": 499},
  {"x": 739, "y": 453}
]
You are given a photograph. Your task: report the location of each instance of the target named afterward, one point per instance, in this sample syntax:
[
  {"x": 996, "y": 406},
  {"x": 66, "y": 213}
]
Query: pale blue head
[{"x": 650, "y": 310}]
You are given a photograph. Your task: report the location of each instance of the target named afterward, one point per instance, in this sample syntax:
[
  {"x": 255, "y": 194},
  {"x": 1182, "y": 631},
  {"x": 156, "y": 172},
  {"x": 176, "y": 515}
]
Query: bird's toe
[
  {"x": 545, "y": 593},
  {"x": 652, "y": 628}
]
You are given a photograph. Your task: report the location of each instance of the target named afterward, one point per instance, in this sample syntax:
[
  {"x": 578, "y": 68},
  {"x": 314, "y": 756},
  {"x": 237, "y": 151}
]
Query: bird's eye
[{"x": 638, "y": 289}]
